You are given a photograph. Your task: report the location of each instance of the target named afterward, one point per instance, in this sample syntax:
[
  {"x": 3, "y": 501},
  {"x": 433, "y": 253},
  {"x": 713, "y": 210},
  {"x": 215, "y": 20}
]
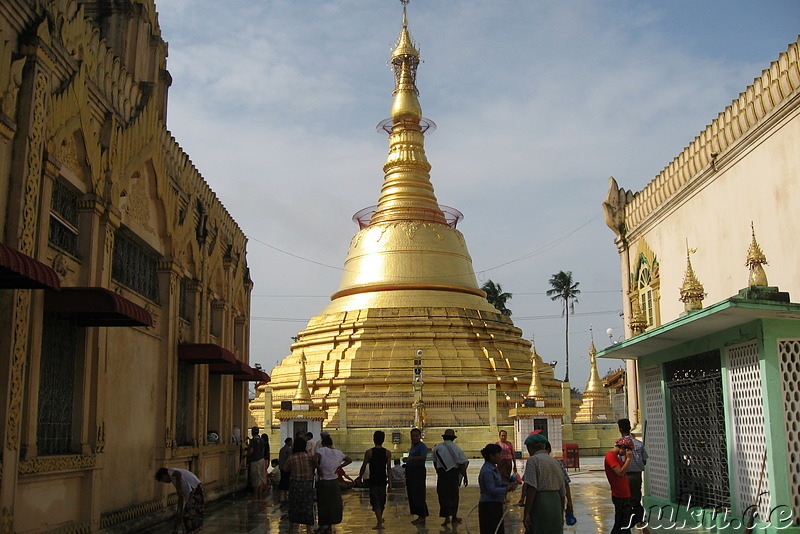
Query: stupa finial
[
  {"x": 692, "y": 291},
  {"x": 755, "y": 260},
  {"x": 303, "y": 394},
  {"x": 407, "y": 193}
]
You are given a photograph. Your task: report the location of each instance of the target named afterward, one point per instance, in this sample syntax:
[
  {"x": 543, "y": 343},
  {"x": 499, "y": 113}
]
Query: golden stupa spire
[
  {"x": 535, "y": 391},
  {"x": 755, "y": 260},
  {"x": 692, "y": 292},
  {"x": 303, "y": 394},
  {"x": 407, "y": 192},
  {"x": 594, "y": 384}
]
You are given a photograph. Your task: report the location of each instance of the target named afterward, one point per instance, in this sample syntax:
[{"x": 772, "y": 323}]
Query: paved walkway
[{"x": 590, "y": 493}]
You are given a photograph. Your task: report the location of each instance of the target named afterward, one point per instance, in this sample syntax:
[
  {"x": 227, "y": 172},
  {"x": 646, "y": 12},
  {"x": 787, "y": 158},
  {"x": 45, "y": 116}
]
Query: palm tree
[
  {"x": 497, "y": 297},
  {"x": 565, "y": 290}
]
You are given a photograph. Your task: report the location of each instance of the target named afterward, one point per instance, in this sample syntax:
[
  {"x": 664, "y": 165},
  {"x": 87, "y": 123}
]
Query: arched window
[
  {"x": 646, "y": 294},
  {"x": 645, "y": 285}
]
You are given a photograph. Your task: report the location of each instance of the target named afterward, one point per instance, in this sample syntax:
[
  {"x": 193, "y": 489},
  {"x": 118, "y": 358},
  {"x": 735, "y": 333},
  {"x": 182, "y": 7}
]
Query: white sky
[{"x": 537, "y": 103}]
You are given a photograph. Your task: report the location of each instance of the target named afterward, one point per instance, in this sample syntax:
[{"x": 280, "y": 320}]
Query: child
[
  {"x": 493, "y": 491},
  {"x": 275, "y": 474}
]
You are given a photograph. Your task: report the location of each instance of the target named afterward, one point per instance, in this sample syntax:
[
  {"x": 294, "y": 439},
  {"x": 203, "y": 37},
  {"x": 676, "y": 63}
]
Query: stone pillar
[
  {"x": 23, "y": 221},
  {"x": 566, "y": 403},
  {"x": 632, "y": 391},
  {"x": 492, "y": 394},
  {"x": 268, "y": 408}
]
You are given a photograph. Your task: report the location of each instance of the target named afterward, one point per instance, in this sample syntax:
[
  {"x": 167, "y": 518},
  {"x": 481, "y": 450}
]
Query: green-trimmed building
[
  {"x": 722, "y": 414},
  {"x": 713, "y": 391}
]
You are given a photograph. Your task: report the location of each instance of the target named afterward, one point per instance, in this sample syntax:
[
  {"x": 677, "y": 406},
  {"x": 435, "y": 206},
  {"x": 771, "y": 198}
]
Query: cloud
[{"x": 537, "y": 103}]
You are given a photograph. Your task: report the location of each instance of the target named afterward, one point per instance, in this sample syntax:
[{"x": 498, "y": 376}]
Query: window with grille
[
  {"x": 135, "y": 265},
  {"x": 182, "y": 405},
  {"x": 216, "y": 319},
  {"x": 698, "y": 430},
  {"x": 657, "y": 479},
  {"x": 57, "y": 370},
  {"x": 185, "y": 306},
  {"x": 789, "y": 353},
  {"x": 64, "y": 218}
]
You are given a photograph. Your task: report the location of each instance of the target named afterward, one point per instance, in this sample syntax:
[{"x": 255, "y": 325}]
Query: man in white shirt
[
  {"x": 451, "y": 466},
  {"x": 311, "y": 444}
]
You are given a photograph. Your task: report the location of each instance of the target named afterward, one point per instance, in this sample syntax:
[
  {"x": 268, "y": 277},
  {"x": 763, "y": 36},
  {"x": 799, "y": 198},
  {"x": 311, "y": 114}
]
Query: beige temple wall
[
  {"x": 759, "y": 183},
  {"x": 743, "y": 167},
  {"x": 84, "y": 107}
]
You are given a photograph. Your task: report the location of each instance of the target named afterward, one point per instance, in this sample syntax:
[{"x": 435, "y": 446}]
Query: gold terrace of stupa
[{"x": 408, "y": 285}]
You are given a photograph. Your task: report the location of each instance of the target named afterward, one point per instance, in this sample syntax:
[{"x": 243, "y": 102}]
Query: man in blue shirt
[{"x": 415, "y": 477}]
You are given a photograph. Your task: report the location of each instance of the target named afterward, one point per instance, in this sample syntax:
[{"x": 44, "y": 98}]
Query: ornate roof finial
[
  {"x": 638, "y": 323},
  {"x": 755, "y": 260},
  {"x": 692, "y": 292},
  {"x": 303, "y": 394}
]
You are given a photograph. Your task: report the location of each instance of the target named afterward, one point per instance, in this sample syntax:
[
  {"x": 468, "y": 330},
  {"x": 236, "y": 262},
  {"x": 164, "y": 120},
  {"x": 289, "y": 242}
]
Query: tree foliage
[
  {"x": 497, "y": 297},
  {"x": 565, "y": 289}
]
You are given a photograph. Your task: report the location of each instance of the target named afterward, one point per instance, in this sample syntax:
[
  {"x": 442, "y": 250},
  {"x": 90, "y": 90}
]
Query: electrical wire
[{"x": 480, "y": 272}]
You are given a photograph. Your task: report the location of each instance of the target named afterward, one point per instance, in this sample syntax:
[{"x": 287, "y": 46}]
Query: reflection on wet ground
[{"x": 243, "y": 513}]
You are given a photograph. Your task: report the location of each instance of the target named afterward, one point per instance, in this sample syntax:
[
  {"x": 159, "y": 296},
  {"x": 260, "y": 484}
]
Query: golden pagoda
[
  {"x": 595, "y": 404},
  {"x": 408, "y": 286}
]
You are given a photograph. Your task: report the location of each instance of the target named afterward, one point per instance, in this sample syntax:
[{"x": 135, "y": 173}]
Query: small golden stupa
[
  {"x": 408, "y": 285},
  {"x": 303, "y": 408},
  {"x": 755, "y": 260},
  {"x": 302, "y": 395},
  {"x": 692, "y": 292},
  {"x": 536, "y": 392},
  {"x": 595, "y": 404}
]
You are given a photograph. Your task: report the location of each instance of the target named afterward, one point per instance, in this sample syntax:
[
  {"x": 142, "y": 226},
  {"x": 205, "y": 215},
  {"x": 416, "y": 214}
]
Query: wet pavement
[{"x": 243, "y": 513}]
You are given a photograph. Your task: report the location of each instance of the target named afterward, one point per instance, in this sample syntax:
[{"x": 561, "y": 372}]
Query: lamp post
[{"x": 419, "y": 404}]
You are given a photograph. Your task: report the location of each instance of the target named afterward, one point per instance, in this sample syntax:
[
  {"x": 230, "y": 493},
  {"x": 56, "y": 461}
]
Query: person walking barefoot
[
  {"x": 415, "y": 477},
  {"x": 379, "y": 460},
  {"x": 451, "y": 469}
]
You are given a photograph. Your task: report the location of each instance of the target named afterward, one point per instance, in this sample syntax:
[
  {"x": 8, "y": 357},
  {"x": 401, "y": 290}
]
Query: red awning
[
  {"x": 96, "y": 306},
  {"x": 228, "y": 368},
  {"x": 251, "y": 374},
  {"x": 20, "y": 271},
  {"x": 205, "y": 353}
]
